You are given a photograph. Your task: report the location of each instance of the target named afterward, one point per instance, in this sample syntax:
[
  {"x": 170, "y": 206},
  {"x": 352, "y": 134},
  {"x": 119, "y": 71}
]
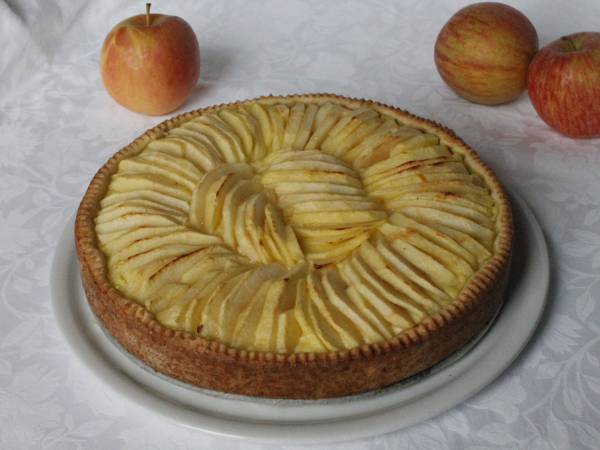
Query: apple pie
[{"x": 305, "y": 246}]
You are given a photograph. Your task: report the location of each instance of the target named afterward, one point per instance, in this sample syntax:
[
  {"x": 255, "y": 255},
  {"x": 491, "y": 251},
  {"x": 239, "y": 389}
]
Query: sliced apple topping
[
  {"x": 289, "y": 226},
  {"x": 320, "y": 193},
  {"x": 230, "y": 202}
]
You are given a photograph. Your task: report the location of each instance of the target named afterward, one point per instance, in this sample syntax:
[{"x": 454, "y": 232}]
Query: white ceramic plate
[{"x": 316, "y": 421}]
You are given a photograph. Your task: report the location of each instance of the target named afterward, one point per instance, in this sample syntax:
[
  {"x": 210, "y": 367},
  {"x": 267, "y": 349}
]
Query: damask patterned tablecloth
[{"x": 58, "y": 125}]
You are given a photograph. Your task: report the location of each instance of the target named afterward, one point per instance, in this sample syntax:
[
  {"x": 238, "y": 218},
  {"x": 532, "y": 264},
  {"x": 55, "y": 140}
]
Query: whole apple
[
  {"x": 483, "y": 52},
  {"x": 150, "y": 63},
  {"x": 564, "y": 84}
]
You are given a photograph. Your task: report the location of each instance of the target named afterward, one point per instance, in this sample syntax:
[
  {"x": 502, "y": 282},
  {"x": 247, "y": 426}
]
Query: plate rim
[{"x": 430, "y": 404}]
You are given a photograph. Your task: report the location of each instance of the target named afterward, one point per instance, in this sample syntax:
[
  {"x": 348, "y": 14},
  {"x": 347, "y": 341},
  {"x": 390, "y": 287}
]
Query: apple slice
[
  {"x": 436, "y": 236},
  {"x": 285, "y": 188},
  {"x": 121, "y": 240},
  {"x": 225, "y": 129},
  {"x": 387, "y": 293},
  {"x": 140, "y": 242},
  {"x": 328, "y": 317},
  {"x": 293, "y": 125},
  {"x": 411, "y": 297},
  {"x": 139, "y": 204},
  {"x": 288, "y": 332},
  {"x": 127, "y": 182},
  {"x": 311, "y": 163},
  {"x": 378, "y": 136},
  {"x": 278, "y": 114},
  {"x": 310, "y": 338},
  {"x": 247, "y": 321},
  {"x": 326, "y": 117},
  {"x": 135, "y": 220},
  {"x": 289, "y": 201},
  {"x": 480, "y": 206},
  {"x": 133, "y": 165},
  {"x": 452, "y": 187},
  {"x": 282, "y": 235},
  {"x": 165, "y": 297},
  {"x": 351, "y": 136},
  {"x": 244, "y": 125},
  {"x": 178, "y": 164},
  {"x": 330, "y": 234},
  {"x": 468, "y": 242},
  {"x": 402, "y": 156},
  {"x": 445, "y": 171},
  {"x": 264, "y": 338},
  {"x": 208, "y": 196},
  {"x": 233, "y": 199},
  {"x": 426, "y": 272},
  {"x": 455, "y": 264},
  {"x": 217, "y": 259},
  {"x": 420, "y": 141},
  {"x": 351, "y": 119},
  {"x": 328, "y": 335},
  {"x": 331, "y": 219},
  {"x": 373, "y": 316},
  {"x": 215, "y": 310},
  {"x": 235, "y": 304},
  {"x": 192, "y": 146},
  {"x": 255, "y": 222},
  {"x": 175, "y": 269},
  {"x": 348, "y": 125},
  {"x": 196, "y": 144},
  {"x": 304, "y": 132},
  {"x": 428, "y": 215},
  {"x": 258, "y": 111},
  {"x": 378, "y": 148},
  {"x": 163, "y": 253},
  {"x": 371, "y": 295},
  {"x": 335, "y": 290},
  {"x": 334, "y": 253},
  {"x": 272, "y": 249},
  {"x": 138, "y": 207},
  {"x": 360, "y": 204},
  {"x": 289, "y": 155},
  {"x": 246, "y": 234},
  {"x": 413, "y": 167},
  {"x": 201, "y": 292},
  {"x": 221, "y": 136},
  {"x": 401, "y": 180},
  {"x": 159, "y": 199},
  {"x": 278, "y": 176},
  {"x": 457, "y": 209}
]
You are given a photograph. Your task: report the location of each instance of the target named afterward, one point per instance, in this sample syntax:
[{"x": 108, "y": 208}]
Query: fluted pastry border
[{"x": 214, "y": 365}]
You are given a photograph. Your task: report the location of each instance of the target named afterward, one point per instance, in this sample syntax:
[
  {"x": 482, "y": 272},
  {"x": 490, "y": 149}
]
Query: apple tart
[{"x": 305, "y": 246}]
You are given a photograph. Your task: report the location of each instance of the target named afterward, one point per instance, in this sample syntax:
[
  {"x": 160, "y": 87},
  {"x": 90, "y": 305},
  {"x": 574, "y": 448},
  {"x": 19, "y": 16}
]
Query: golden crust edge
[{"x": 488, "y": 281}]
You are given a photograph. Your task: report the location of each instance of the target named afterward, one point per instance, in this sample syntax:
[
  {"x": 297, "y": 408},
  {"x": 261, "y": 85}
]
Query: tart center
[
  {"x": 231, "y": 202},
  {"x": 293, "y": 206}
]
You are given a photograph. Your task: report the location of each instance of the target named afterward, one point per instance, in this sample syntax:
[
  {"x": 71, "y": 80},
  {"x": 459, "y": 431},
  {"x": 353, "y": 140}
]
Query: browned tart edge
[{"x": 214, "y": 365}]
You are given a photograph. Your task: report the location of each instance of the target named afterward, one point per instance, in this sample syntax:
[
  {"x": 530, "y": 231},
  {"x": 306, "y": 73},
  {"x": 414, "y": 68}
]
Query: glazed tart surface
[{"x": 285, "y": 230}]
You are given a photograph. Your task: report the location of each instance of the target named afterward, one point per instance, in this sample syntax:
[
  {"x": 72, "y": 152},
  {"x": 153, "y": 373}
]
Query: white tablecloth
[{"x": 58, "y": 125}]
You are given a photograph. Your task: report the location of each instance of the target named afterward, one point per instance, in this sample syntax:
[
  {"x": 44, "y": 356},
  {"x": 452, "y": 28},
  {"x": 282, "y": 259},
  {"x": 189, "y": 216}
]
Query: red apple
[
  {"x": 150, "y": 63},
  {"x": 483, "y": 52},
  {"x": 564, "y": 84}
]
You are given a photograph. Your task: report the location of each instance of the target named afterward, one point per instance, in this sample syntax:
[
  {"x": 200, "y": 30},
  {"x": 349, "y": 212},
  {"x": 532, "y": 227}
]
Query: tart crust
[{"x": 214, "y": 365}]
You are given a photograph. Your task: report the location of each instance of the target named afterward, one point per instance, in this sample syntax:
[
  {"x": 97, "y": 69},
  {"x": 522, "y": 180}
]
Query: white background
[{"x": 58, "y": 125}]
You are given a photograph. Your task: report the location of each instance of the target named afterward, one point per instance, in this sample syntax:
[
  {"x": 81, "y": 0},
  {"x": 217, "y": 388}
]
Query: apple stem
[
  {"x": 148, "y": 5},
  {"x": 569, "y": 43}
]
